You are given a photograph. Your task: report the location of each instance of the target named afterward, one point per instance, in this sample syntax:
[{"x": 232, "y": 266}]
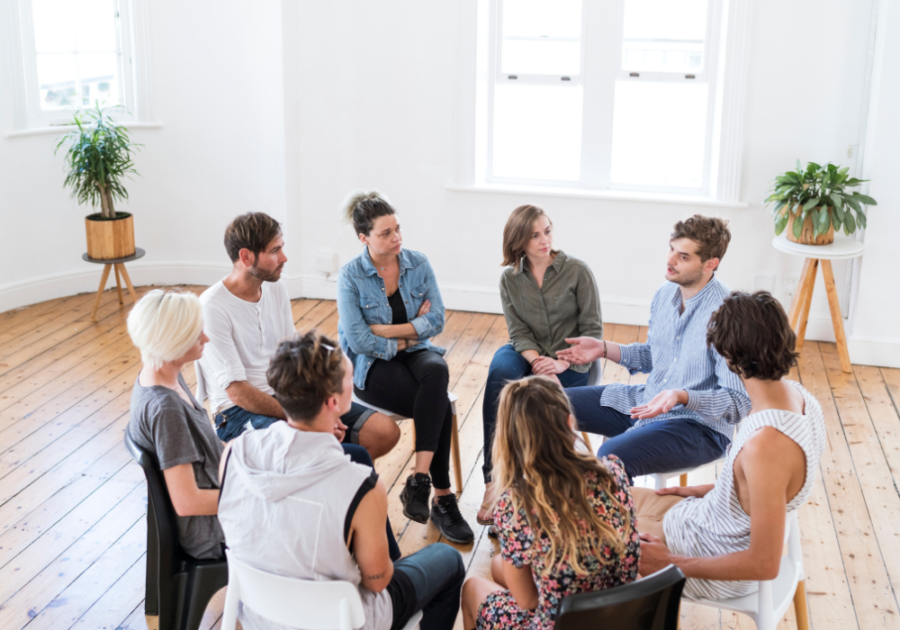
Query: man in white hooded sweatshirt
[{"x": 293, "y": 503}]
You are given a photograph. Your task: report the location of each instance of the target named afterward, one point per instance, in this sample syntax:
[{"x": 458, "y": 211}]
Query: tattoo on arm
[{"x": 376, "y": 577}]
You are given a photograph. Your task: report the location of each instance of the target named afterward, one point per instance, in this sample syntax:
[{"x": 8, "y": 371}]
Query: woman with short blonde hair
[
  {"x": 565, "y": 519},
  {"x": 166, "y": 419},
  {"x": 547, "y": 297}
]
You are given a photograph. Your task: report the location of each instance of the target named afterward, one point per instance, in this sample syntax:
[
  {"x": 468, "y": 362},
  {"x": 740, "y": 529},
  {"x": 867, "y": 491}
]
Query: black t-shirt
[{"x": 398, "y": 309}]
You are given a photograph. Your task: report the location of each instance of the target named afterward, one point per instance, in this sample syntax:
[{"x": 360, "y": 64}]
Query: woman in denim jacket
[{"x": 390, "y": 306}]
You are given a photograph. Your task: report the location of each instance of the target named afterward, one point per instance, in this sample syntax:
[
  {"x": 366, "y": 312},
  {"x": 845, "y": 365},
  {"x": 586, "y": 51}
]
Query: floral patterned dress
[{"x": 517, "y": 538}]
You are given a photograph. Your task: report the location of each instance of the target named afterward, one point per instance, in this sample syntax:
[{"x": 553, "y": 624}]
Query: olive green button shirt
[{"x": 541, "y": 318}]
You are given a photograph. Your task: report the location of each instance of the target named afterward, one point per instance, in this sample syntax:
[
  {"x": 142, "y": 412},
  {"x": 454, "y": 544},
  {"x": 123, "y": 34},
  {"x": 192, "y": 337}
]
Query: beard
[
  {"x": 265, "y": 275},
  {"x": 687, "y": 280}
]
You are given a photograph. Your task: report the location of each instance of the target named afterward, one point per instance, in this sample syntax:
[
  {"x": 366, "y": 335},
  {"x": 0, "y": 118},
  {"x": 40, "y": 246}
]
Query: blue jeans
[
  {"x": 429, "y": 580},
  {"x": 509, "y": 365},
  {"x": 661, "y": 446},
  {"x": 238, "y": 419}
]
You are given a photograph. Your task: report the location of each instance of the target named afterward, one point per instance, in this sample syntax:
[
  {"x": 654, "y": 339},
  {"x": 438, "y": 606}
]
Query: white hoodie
[{"x": 283, "y": 505}]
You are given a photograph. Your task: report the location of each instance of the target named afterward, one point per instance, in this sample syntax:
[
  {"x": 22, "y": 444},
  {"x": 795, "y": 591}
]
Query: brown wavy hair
[
  {"x": 537, "y": 463},
  {"x": 753, "y": 334},
  {"x": 305, "y": 372},
  {"x": 517, "y": 232},
  {"x": 711, "y": 234}
]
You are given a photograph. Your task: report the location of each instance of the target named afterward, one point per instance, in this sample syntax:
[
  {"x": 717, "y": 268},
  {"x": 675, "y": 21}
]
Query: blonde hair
[
  {"x": 517, "y": 232},
  {"x": 164, "y": 325},
  {"x": 536, "y": 462}
]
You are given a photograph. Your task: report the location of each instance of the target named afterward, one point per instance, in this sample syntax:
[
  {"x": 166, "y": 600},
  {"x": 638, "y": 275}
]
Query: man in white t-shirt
[{"x": 246, "y": 315}]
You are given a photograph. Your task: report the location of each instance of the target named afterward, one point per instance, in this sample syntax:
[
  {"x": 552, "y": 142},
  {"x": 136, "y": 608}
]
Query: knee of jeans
[
  {"x": 452, "y": 560},
  {"x": 499, "y": 375},
  {"x": 437, "y": 371}
]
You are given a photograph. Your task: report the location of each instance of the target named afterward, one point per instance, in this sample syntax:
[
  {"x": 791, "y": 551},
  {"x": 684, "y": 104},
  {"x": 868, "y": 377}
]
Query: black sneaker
[
  {"x": 446, "y": 515},
  {"x": 414, "y": 497}
]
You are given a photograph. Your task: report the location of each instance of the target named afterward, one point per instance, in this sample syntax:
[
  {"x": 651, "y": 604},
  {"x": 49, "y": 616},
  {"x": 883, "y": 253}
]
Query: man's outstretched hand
[
  {"x": 582, "y": 350},
  {"x": 662, "y": 403}
]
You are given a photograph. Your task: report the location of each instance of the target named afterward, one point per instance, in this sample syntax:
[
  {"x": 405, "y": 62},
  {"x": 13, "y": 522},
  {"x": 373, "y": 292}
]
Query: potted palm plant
[
  {"x": 98, "y": 158},
  {"x": 814, "y": 202}
]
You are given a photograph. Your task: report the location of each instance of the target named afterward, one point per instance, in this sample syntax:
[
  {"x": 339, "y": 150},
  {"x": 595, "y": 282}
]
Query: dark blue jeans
[
  {"x": 429, "y": 580},
  {"x": 509, "y": 365},
  {"x": 661, "y": 446}
]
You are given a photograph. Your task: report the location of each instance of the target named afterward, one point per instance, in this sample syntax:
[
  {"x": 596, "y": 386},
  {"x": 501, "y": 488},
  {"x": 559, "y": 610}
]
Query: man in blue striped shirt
[{"x": 685, "y": 414}]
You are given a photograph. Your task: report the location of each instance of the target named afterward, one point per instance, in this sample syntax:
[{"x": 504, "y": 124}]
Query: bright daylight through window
[
  {"x": 74, "y": 54},
  {"x": 602, "y": 94}
]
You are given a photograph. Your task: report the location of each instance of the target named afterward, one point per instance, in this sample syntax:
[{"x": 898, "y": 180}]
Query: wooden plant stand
[
  {"x": 119, "y": 265},
  {"x": 819, "y": 256}
]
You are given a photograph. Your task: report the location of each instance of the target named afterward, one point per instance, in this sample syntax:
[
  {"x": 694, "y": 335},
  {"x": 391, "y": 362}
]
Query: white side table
[{"x": 841, "y": 249}]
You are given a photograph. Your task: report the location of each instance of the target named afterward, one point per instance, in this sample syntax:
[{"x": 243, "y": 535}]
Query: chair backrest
[
  {"x": 647, "y": 604},
  {"x": 596, "y": 373},
  {"x": 289, "y": 601},
  {"x": 162, "y": 528}
]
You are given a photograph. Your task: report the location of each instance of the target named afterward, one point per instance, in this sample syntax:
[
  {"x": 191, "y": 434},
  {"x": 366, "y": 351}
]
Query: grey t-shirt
[{"x": 178, "y": 433}]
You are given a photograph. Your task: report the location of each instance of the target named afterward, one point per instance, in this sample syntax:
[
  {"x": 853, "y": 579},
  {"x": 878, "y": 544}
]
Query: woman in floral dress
[{"x": 565, "y": 519}]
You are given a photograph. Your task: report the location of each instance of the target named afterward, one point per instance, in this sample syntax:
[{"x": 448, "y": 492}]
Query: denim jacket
[{"x": 362, "y": 301}]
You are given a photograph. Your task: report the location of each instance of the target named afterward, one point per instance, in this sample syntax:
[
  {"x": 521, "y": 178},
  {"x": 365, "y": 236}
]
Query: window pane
[
  {"x": 54, "y": 29},
  {"x": 541, "y": 37},
  {"x": 95, "y": 24},
  {"x": 57, "y": 81},
  {"x": 664, "y": 35},
  {"x": 659, "y": 134},
  {"x": 99, "y": 79},
  {"x": 537, "y": 132}
]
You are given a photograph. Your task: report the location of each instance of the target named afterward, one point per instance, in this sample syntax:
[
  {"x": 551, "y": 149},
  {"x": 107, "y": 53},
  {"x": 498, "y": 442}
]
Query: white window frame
[
  {"x": 22, "y": 74},
  {"x": 723, "y": 70}
]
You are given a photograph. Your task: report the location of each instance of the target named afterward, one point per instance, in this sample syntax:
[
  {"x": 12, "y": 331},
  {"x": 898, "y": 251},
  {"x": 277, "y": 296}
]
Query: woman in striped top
[{"x": 727, "y": 536}]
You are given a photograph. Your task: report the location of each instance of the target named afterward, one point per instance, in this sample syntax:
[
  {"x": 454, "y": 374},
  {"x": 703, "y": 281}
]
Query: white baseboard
[
  {"x": 863, "y": 350},
  {"x": 48, "y": 287}
]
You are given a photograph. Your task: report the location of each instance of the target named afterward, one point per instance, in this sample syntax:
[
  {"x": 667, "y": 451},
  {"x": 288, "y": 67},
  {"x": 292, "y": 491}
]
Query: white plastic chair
[
  {"x": 283, "y": 600},
  {"x": 769, "y": 604},
  {"x": 454, "y": 433}
]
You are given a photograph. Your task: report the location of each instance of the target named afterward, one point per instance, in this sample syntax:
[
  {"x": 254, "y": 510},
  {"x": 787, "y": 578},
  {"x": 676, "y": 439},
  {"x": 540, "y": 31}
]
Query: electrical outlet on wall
[
  {"x": 790, "y": 284},
  {"x": 326, "y": 262}
]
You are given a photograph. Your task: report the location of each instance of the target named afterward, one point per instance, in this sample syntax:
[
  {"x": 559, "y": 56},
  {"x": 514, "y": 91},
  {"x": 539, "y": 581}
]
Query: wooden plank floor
[{"x": 73, "y": 504}]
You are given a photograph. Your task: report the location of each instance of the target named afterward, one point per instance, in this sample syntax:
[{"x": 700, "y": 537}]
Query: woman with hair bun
[
  {"x": 547, "y": 297},
  {"x": 565, "y": 519},
  {"x": 166, "y": 419},
  {"x": 390, "y": 307}
]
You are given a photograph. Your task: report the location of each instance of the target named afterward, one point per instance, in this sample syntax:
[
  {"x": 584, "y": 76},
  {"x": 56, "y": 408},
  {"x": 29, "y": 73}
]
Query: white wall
[
  {"x": 217, "y": 78},
  {"x": 287, "y": 106}
]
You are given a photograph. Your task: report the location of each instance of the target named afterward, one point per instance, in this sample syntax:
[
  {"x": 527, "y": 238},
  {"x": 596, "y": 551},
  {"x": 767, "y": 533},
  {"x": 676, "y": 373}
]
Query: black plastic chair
[
  {"x": 651, "y": 603},
  {"x": 179, "y": 587}
]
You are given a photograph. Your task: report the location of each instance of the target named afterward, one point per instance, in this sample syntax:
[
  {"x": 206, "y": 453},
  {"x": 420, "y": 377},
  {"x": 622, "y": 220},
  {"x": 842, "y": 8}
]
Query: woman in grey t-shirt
[{"x": 166, "y": 419}]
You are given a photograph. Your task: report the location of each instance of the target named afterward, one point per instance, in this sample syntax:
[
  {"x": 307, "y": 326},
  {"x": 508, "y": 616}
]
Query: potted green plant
[
  {"x": 814, "y": 202},
  {"x": 98, "y": 158}
]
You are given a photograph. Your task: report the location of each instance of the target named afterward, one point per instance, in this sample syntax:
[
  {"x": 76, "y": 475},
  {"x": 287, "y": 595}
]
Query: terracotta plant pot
[
  {"x": 807, "y": 234},
  {"x": 106, "y": 239}
]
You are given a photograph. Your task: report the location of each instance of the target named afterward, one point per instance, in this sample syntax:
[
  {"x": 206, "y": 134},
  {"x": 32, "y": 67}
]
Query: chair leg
[
  {"x": 682, "y": 481},
  {"x": 454, "y": 447},
  {"x": 800, "y": 611}
]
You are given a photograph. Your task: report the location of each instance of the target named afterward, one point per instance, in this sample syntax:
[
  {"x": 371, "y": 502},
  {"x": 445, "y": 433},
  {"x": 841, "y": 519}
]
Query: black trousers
[{"x": 414, "y": 384}]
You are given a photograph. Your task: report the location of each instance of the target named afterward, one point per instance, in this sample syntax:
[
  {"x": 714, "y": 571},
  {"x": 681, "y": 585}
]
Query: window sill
[
  {"x": 611, "y": 195},
  {"x": 38, "y": 131}
]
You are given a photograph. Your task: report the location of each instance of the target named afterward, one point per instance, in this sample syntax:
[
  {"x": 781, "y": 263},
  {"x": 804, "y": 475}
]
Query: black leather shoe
[
  {"x": 414, "y": 497},
  {"x": 448, "y": 519}
]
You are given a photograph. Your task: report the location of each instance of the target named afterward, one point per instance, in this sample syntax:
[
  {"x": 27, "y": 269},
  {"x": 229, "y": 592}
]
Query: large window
[
  {"x": 601, "y": 94},
  {"x": 73, "y": 54}
]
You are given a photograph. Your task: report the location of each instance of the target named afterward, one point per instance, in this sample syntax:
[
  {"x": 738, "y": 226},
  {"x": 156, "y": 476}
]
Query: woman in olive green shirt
[{"x": 547, "y": 297}]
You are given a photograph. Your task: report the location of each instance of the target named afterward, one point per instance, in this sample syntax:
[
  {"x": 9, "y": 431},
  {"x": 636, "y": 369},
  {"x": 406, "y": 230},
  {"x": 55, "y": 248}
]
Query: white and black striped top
[{"x": 717, "y": 524}]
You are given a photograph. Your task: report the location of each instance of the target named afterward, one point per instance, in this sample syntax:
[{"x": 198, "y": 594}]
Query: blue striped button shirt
[{"x": 677, "y": 357}]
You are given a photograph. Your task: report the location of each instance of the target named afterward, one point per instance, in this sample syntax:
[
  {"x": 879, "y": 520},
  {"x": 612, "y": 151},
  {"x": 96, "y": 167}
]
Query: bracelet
[{"x": 605, "y": 351}]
